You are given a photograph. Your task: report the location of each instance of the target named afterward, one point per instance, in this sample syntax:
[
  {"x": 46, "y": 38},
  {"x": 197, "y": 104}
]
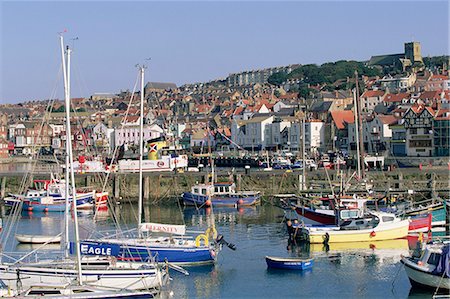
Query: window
[
  {"x": 195, "y": 190},
  {"x": 413, "y": 131},
  {"x": 387, "y": 219},
  {"x": 204, "y": 191}
]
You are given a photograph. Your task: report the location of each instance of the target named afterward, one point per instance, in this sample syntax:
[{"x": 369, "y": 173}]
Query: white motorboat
[
  {"x": 37, "y": 239},
  {"x": 431, "y": 269}
]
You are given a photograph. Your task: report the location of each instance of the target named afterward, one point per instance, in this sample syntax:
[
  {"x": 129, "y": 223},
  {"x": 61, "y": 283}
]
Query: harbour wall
[{"x": 167, "y": 187}]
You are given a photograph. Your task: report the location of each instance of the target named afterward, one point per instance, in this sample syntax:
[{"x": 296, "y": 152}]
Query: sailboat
[
  {"x": 102, "y": 273},
  {"x": 174, "y": 246}
]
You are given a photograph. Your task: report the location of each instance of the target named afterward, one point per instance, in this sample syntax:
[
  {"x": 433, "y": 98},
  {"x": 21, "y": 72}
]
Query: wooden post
[
  {"x": 87, "y": 181},
  {"x": 400, "y": 180},
  {"x": 116, "y": 186},
  {"x": 239, "y": 182},
  {"x": 146, "y": 184},
  {"x": 3, "y": 189}
]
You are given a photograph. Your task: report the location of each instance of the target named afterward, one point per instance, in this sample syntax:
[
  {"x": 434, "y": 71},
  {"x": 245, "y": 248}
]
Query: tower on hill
[{"x": 413, "y": 52}]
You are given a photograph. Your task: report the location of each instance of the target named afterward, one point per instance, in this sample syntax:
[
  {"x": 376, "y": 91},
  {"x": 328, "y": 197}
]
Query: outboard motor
[{"x": 221, "y": 241}]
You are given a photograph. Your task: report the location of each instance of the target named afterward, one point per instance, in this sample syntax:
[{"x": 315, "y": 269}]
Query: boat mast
[
  {"x": 72, "y": 174},
  {"x": 141, "y": 144},
  {"x": 304, "y": 148},
  {"x": 361, "y": 136},
  {"x": 66, "y": 214},
  {"x": 355, "y": 104}
]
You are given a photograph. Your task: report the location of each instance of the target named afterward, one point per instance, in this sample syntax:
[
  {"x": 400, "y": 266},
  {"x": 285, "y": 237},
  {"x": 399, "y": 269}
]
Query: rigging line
[
  {"x": 122, "y": 125},
  {"x": 116, "y": 148},
  {"x": 13, "y": 219}
]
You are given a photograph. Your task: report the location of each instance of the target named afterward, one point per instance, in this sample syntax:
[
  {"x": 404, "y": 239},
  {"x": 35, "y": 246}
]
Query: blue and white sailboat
[
  {"x": 175, "y": 247},
  {"x": 121, "y": 278}
]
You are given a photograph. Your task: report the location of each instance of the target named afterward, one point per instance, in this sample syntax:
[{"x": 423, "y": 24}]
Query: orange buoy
[
  {"x": 208, "y": 202},
  {"x": 30, "y": 209},
  {"x": 240, "y": 201},
  {"x": 373, "y": 234}
]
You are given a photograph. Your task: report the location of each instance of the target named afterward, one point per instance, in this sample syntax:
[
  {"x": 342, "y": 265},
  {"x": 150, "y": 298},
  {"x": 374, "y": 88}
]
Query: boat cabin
[
  {"x": 366, "y": 222},
  {"x": 216, "y": 189}
]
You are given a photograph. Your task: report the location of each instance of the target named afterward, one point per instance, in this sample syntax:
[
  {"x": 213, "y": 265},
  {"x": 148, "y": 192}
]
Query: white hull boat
[
  {"x": 37, "y": 239},
  {"x": 431, "y": 269}
]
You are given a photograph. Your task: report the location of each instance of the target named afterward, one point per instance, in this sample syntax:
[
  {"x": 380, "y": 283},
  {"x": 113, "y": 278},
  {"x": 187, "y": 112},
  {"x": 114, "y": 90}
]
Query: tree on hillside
[{"x": 277, "y": 78}]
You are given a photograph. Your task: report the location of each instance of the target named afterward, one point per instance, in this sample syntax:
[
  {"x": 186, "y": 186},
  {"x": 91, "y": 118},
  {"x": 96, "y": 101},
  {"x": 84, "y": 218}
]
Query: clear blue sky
[{"x": 199, "y": 41}]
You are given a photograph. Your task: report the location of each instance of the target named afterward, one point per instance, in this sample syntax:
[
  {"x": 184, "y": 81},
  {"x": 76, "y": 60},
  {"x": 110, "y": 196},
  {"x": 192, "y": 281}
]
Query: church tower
[{"x": 413, "y": 52}]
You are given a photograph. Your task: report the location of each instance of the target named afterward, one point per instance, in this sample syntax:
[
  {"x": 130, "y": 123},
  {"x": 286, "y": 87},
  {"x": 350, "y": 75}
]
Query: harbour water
[{"x": 357, "y": 270}]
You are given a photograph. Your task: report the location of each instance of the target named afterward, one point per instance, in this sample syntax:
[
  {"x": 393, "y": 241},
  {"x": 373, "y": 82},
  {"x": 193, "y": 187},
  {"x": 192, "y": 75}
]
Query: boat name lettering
[{"x": 97, "y": 249}]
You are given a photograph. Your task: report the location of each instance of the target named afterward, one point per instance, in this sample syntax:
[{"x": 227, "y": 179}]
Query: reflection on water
[{"x": 347, "y": 270}]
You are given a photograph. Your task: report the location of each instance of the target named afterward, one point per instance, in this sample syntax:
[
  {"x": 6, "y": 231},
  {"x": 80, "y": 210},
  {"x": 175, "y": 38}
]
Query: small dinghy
[
  {"x": 289, "y": 263},
  {"x": 38, "y": 239}
]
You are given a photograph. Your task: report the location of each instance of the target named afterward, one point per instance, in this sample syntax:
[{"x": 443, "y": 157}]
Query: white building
[
  {"x": 103, "y": 136},
  {"x": 250, "y": 133},
  {"x": 398, "y": 83},
  {"x": 314, "y": 135},
  {"x": 129, "y": 134}
]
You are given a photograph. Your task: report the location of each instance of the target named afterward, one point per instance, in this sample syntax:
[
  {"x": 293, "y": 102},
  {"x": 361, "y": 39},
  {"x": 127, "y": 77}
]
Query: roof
[
  {"x": 341, "y": 118},
  {"x": 396, "y": 97},
  {"x": 430, "y": 95},
  {"x": 372, "y": 93},
  {"x": 320, "y": 106},
  {"x": 255, "y": 119},
  {"x": 336, "y": 95},
  {"x": 385, "y": 59},
  {"x": 238, "y": 111},
  {"x": 417, "y": 109},
  {"x": 438, "y": 78},
  {"x": 387, "y": 119},
  {"x": 443, "y": 114},
  {"x": 160, "y": 85}
]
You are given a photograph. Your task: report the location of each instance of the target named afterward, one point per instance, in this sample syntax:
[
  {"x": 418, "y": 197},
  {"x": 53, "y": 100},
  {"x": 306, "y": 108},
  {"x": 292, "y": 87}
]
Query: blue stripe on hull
[
  {"x": 190, "y": 255},
  {"x": 289, "y": 265},
  {"x": 229, "y": 201},
  {"x": 55, "y": 207}
]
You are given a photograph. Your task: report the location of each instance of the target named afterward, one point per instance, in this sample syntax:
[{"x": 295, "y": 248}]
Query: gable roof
[
  {"x": 396, "y": 97},
  {"x": 387, "y": 119},
  {"x": 341, "y": 118},
  {"x": 372, "y": 93},
  {"x": 320, "y": 106}
]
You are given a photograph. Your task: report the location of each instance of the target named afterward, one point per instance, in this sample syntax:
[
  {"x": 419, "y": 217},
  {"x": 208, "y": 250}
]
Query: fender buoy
[
  {"x": 240, "y": 202},
  {"x": 200, "y": 238},
  {"x": 30, "y": 209},
  {"x": 373, "y": 234},
  {"x": 208, "y": 203},
  {"x": 45, "y": 209},
  {"x": 211, "y": 232}
]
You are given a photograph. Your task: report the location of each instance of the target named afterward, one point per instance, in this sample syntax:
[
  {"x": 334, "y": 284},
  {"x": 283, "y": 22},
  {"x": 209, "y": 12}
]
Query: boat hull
[
  {"x": 422, "y": 278},
  {"x": 36, "y": 239},
  {"x": 420, "y": 223},
  {"x": 232, "y": 200},
  {"x": 437, "y": 211},
  {"x": 289, "y": 263},
  {"x": 394, "y": 231},
  {"x": 141, "y": 279},
  {"x": 182, "y": 255},
  {"x": 316, "y": 216}
]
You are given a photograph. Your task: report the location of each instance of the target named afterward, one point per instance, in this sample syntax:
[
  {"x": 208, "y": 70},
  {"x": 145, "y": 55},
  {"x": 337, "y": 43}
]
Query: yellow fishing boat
[{"x": 382, "y": 226}]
